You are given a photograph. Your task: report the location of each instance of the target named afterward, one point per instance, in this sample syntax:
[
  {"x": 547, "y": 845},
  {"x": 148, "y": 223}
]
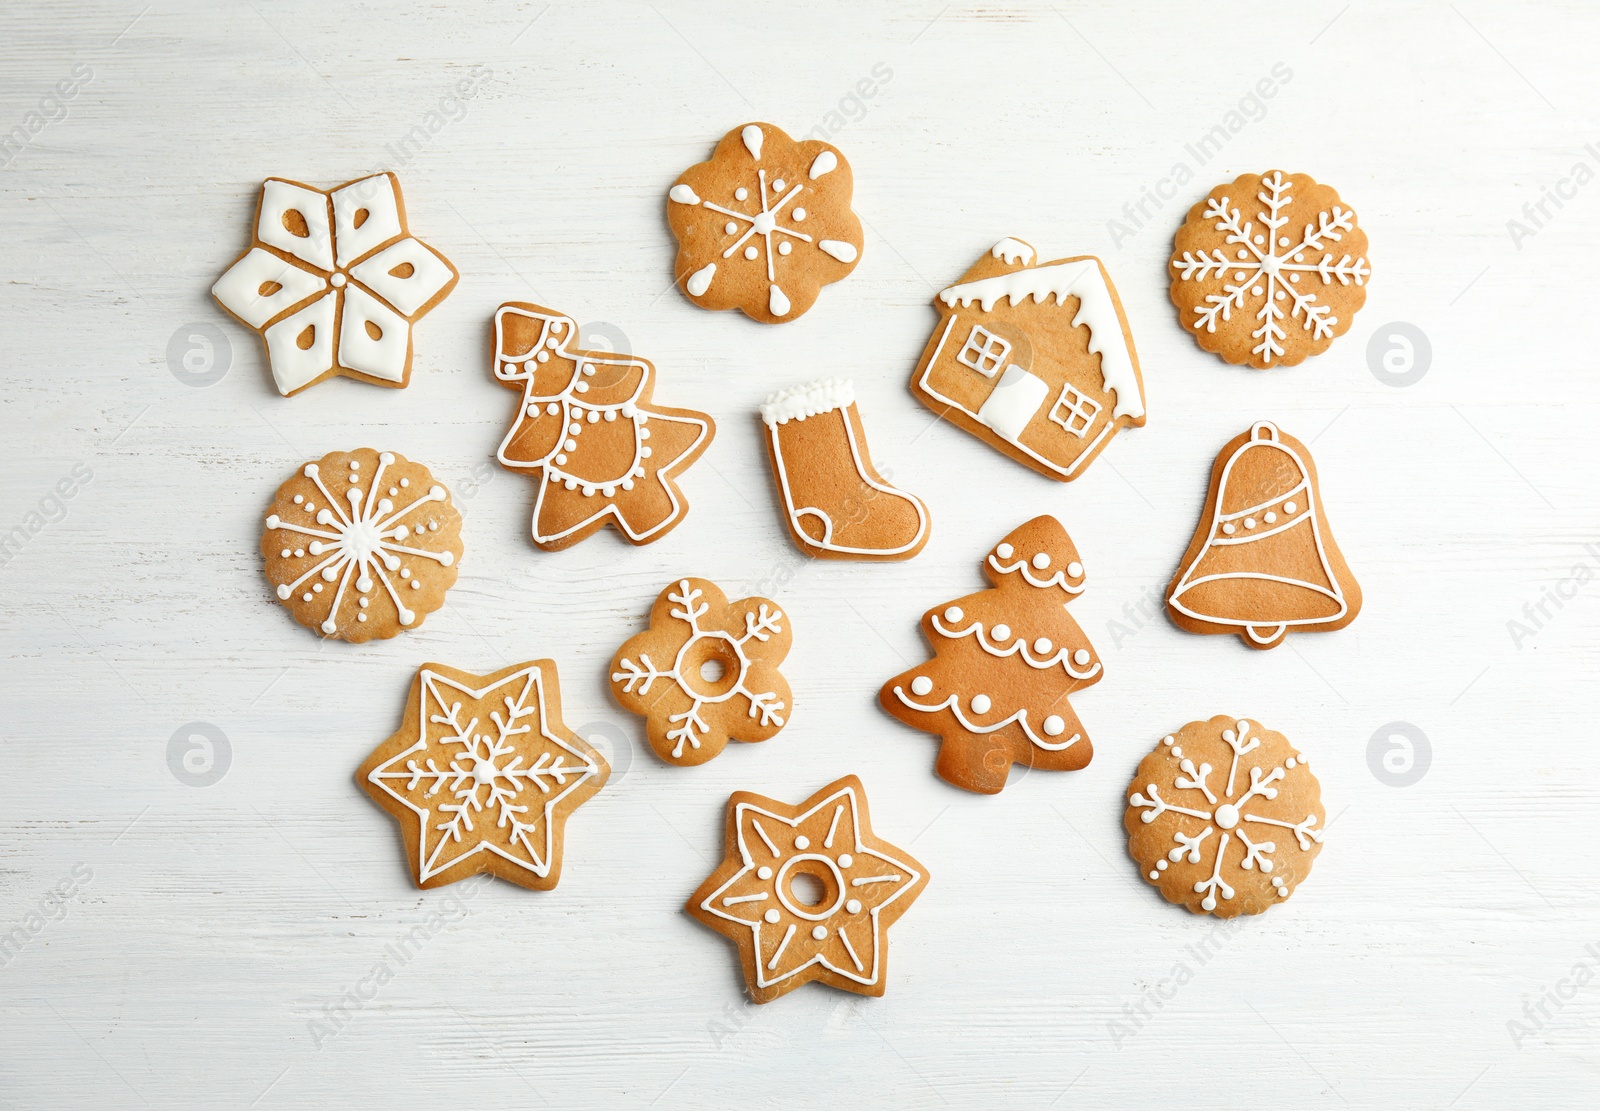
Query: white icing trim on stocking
[
  {"x": 239, "y": 289},
  {"x": 814, "y": 399},
  {"x": 291, "y": 366},
  {"x": 952, "y": 704},
  {"x": 1086, "y": 281}
]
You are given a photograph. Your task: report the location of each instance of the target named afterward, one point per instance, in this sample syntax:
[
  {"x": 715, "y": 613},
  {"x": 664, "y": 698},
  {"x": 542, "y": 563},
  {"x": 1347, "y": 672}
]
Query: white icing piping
[
  {"x": 1057, "y": 579},
  {"x": 799, "y": 402},
  {"x": 1011, "y": 250},
  {"x": 1096, "y": 310},
  {"x": 975, "y": 630},
  {"x": 1020, "y": 717}
]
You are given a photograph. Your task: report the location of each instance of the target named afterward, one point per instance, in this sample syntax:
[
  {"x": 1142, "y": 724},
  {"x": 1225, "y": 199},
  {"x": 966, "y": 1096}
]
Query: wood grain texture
[{"x": 217, "y": 924}]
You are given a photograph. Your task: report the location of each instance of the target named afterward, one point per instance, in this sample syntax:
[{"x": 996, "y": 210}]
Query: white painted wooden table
[{"x": 209, "y": 928}]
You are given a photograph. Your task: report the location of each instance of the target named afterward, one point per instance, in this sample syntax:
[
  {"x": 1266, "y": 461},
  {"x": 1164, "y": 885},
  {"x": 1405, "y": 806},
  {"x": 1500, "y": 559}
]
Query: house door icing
[{"x": 1016, "y": 398}]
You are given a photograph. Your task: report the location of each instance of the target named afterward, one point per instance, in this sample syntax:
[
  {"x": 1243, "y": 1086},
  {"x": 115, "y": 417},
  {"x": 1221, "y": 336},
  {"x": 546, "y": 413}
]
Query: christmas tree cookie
[
  {"x": 1224, "y": 817},
  {"x": 361, "y": 544},
  {"x": 483, "y": 775},
  {"x": 835, "y": 502},
  {"x": 832, "y": 926},
  {"x": 1005, "y": 660},
  {"x": 705, "y": 672},
  {"x": 1263, "y": 560},
  {"x": 333, "y": 281},
  {"x": 1269, "y": 270},
  {"x": 1034, "y": 358},
  {"x": 764, "y": 225},
  {"x": 587, "y": 430}
]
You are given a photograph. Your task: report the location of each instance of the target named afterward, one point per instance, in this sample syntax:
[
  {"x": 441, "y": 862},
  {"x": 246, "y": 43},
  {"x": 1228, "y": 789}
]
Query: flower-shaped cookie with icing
[
  {"x": 1224, "y": 817},
  {"x": 333, "y": 282},
  {"x": 362, "y": 544},
  {"x": 705, "y": 672},
  {"x": 765, "y": 224}
]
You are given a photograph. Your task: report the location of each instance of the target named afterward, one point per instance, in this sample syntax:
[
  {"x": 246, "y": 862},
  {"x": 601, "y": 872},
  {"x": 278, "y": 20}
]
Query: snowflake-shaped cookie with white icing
[
  {"x": 483, "y": 775},
  {"x": 705, "y": 672},
  {"x": 1269, "y": 270},
  {"x": 333, "y": 281},
  {"x": 765, "y": 224},
  {"x": 361, "y": 544},
  {"x": 1224, "y": 817}
]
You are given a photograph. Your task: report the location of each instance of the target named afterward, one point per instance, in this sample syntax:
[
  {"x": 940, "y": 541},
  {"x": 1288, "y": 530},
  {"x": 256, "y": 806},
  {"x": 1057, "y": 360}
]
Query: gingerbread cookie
[
  {"x": 333, "y": 281},
  {"x": 587, "y": 428},
  {"x": 362, "y": 544},
  {"x": 832, "y": 926},
  {"x": 1035, "y": 359},
  {"x": 1263, "y": 560},
  {"x": 705, "y": 672},
  {"x": 1206, "y": 839},
  {"x": 1268, "y": 270},
  {"x": 835, "y": 502},
  {"x": 483, "y": 775},
  {"x": 1005, "y": 660},
  {"x": 765, "y": 224}
]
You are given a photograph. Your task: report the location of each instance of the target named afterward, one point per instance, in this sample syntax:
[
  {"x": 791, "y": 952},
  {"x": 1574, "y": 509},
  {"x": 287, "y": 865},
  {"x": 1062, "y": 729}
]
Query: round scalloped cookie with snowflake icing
[
  {"x": 361, "y": 544},
  {"x": 1269, "y": 270},
  {"x": 1224, "y": 817},
  {"x": 765, "y": 224}
]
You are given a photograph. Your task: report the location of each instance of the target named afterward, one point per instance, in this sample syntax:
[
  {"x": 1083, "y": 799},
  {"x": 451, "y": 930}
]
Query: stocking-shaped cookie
[
  {"x": 587, "y": 427},
  {"x": 1005, "y": 660},
  {"x": 835, "y": 502}
]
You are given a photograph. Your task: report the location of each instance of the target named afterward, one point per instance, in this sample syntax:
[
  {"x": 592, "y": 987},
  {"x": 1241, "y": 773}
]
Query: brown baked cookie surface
[{"x": 1224, "y": 817}]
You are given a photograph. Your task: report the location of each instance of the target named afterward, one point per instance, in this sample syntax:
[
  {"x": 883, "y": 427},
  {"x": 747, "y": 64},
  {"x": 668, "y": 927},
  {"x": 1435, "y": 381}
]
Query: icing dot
[
  {"x": 285, "y": 553},
  {"x": 1270, "y": 518},
  {"x": 510, "y": 368},
  {"x": 305, "y": 597},
  {"x": 644, "y": 433},
  {"x": 574, "y": 428},
  {"x": 777, "y": 185},
  {"x": 845, "y": 860},
  {"x": 365, "y": 603},
  {"x": 1168, "y": 741},
  {"x": 1249, "y": 522},
  {"x": 1001, "y": 632},
  {"x": 416, "y": 584},
  {"x": 741, "y": 194},
  {"x": 583, "y": 387},
  {"x": 1155, "y": 875},
  {"x": 299, "y": 552},
  {"x": 1289, "y": 763},
  {"x": 1238, "y": 275},
  {"x": 557, "y": 327},
  {"x": 330, "y": 626},
  {"x": 594, "y": 415},
  {"x": 1294, "y": 277},
  {"x": 799, "y": 214},
  {"x": 1080, "y": 657},
  {"x": 355, "y": 464},
  {"x": 1041, "y": 561},
  {"x": 1243, "y": 255},
  {"x": 953, "y": 614},
  {"x": 1177, "y": 750},
  {"x": 819, "y": 932},
  {"x": 1229, "y": 529},
  {"x": 1259, "y": 241},
  {"x": 784, "y": 247},
  {"x": 611, "y": 414},
  {"x": 405, "y": 482},
  {"x": 644, "y": 452},
  {"x": 298, "y": 498},
  {"x": 1288, "y": 507},
  {"x": 1054, "y": 726},
  {"x": 433, "y": 526},
  {"x": 393, "y": 492},
  {"x": 1304, "y": 759},
  {"x": 543, "y": 356},
  {"x": 980, "y": 704},
  {"x": 571, "y": 445},
  {"x": 1041, "y": 646},
  {"x": 1162, "y": 864},
  {"x": 1279, "y": 295},
  {"x": 730, "y": 227},
  {"x": 750, "y": 252},
  {"x": 533, "y": 410},
  {"x": 310, "y": 506},
  {"x": 921, "y": 685},
  {"x": 1227, "y": 815},
  {"x": 802, "y": 842},
  {"x": 771, "y": 916},
  {"x": 763, "y": 873},
  {"x": 552, "y": 408},
  {"x": 361, "y": 617},
  {"x": 1075, "y": 569},
  {"x": 337, "y": 281},
  {"x": 1283, "y": 241},
  {"x": 853, "y": 906},
  {"x": 1004, "y": 551}
]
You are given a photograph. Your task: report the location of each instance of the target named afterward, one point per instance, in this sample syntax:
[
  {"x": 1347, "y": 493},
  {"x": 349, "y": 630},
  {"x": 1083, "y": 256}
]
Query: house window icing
[
  {"x": 1074, "y": 410},
  {"x": 984, "y": 351}
]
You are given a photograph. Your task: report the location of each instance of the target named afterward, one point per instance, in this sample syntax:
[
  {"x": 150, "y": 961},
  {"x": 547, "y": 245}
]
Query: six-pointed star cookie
[
  {"x": 483, "y": 775},
  {"x": 333, "y": 281},
  {"x": 808, "y": 892}
]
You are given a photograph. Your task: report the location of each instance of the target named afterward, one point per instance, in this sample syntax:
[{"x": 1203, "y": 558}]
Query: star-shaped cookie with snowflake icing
[
  {"x": 765, "y": 224},
  {"x": 333, "y": 280},
  {"x": 483, "y": 775},
  {"x": 1224, "y": 817},
  {"x": 808, "y": 892},
  {"x": 1269, "y": 270}
]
